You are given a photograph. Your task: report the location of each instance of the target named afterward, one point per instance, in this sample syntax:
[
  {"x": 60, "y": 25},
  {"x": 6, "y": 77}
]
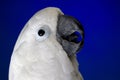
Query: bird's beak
[{"x": 70, "y": 34}]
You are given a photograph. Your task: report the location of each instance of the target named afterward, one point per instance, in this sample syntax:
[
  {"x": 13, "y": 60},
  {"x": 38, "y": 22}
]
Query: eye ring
[{"x": 43, "y": 33}]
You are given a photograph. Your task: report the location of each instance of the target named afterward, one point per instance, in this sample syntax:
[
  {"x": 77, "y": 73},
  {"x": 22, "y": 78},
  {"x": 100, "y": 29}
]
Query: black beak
[{"x": 70, "y": 34}]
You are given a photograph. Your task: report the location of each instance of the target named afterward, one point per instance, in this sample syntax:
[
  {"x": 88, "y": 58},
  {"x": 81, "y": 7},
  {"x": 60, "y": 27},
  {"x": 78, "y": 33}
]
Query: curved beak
[{"x": 70, "y": 34}]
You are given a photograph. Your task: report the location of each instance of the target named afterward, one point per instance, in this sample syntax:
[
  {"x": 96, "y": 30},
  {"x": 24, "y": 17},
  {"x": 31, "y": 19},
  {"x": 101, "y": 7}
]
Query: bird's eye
[{"x": 43, "y": 33}]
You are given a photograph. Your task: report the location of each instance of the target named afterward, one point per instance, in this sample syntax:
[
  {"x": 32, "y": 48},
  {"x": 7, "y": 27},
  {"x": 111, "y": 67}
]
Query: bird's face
[{"x": 50, "y": 26}]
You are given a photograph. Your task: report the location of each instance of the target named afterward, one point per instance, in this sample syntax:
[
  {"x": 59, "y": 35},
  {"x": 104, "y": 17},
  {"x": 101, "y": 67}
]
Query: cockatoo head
[
  {"x": 43, "y": 46},
  {"x": 50, "y": 29}
]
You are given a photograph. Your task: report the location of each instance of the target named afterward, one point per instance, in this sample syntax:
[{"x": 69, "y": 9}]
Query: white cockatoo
[{"x": 46, "y": 48}]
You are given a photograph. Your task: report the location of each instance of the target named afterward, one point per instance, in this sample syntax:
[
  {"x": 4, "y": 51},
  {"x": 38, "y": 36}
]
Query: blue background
[{"x": 99, "y": 59}]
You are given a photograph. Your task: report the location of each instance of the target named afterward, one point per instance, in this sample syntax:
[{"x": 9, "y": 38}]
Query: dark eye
[{"x": 41, "y": 32}]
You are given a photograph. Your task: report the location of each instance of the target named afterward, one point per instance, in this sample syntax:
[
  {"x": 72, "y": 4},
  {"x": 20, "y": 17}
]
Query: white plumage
[{"x": 42, "y": 58}]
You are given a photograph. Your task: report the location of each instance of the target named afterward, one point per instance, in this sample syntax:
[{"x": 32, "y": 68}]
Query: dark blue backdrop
[{"x": 99, "y": 59}]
